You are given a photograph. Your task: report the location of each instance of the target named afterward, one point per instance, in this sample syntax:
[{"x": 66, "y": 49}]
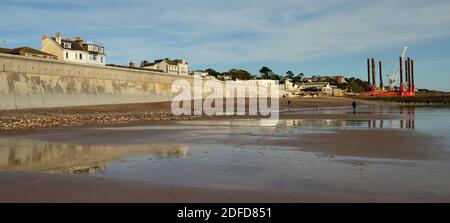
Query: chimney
[
  {"x": 412, "y": 72},
  {"x": 406, "y": 71},
  {"x": 43, "y": 38},
  {"x": 381, "y": 76},
  {"x": 79, "y": 41},
  {"x": 409, "y": 71},
  {"x": 373, "y": 74},
  {"x": 401, "y": 74},
  {"x": 58, "y": 38},
  {"x": 368, "y": 71},
  {"x": 413, "y": 87},
  {"x": 132, "y": 64}
]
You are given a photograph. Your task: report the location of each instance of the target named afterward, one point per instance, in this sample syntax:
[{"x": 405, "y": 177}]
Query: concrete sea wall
[{"x": 34, "y": 83}]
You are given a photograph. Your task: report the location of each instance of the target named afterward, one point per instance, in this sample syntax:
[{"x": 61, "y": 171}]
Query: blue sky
[{"x": 313, "y": 37}]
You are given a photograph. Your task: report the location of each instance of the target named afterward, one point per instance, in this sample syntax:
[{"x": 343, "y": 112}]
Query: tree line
[
  {"x": 351, "y": 84},
  {"x": 265, "y": 73}
]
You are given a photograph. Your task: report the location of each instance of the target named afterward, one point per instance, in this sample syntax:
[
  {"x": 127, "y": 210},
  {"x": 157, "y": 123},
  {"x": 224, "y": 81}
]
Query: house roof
[
  {"x": 76, "y": 46},
  {"x": 146, "y": 63},
  {"x": 315, "y": 83},
  {"x": 4, "y": 50},
  {"x": 135, "y": 68},
  {"x": 25, "y": 49},
  {"x": 167, "y": 60}
]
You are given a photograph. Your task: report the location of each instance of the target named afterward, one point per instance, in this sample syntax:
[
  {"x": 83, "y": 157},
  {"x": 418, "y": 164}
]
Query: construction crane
[{"x": 394, "y": 72}]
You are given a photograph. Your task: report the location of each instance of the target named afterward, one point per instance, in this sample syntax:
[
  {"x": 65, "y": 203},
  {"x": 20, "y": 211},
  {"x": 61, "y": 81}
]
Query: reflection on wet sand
[
  {"x": 31, "y": 155},
  {"x": 406, "y": 121},
  {"x": 392, "y": 124}
]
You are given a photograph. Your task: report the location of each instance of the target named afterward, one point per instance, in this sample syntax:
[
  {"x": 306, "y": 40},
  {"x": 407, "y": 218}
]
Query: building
[
  {"x": 313, "y": 85},
  {"x": 260, "y": 82},
  {"x": 337, "y": 91},
  {"x": 201, "y": 73},
  {"x": 73, "y": 50},
  {"x": 290, "y": 87},
  {"x": 177, "y": 66},
  {"x": 28, "y": 52},
  {"x": 340, "y": 79}
]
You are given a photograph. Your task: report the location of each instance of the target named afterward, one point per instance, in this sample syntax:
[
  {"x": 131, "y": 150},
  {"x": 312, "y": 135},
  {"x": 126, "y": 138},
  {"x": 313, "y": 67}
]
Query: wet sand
[
  {"x": 41, "y": 187},
  {"x": 49, "y": 188},
  {"x": 367, "y": 143},
  {"x": 353, "y": 150},
  {"x": 228, "y": 159},
  {"x": 387, "y": 144}
]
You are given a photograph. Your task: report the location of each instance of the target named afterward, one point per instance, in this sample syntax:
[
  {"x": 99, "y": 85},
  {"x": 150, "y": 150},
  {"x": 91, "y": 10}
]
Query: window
[
  {"x": 81, "y": 56},
  {"x": 67, "y": 55},
  {"x": 66, "y": 45},
  {"x": 101, "y": 58}
]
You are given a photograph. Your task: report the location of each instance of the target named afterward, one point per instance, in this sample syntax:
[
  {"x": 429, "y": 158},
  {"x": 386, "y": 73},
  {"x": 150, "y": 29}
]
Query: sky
[{"x": 315, "y": 37}]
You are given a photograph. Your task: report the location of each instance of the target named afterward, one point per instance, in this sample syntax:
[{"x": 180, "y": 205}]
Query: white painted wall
[{"x": 74, "y": 56}]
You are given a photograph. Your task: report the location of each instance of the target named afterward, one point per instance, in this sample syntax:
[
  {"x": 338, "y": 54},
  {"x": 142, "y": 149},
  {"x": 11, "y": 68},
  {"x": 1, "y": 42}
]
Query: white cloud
[
  {"x": 234, "y": 31},
  {"x": 373, "y": 26}
]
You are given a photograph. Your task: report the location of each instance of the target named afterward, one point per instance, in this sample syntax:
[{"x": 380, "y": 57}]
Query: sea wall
[{"x": 35, "y": 83}]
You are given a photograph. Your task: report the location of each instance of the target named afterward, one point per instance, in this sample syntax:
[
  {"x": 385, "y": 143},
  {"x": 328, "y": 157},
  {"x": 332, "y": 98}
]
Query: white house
[
  {"x": 73, "y": 50},
  {"x": 201, "y": 74},
  {"x": 261, "y": 82},
  {"x": 166, "y": 65}
]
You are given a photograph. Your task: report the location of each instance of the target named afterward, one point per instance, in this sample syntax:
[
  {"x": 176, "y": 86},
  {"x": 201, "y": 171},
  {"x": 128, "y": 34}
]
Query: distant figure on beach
[{"x": 354, "y": 107}]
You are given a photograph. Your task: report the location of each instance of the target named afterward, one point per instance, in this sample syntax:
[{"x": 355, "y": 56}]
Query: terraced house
[
  {"x": 73, "y": 50},
  {"x": 28, "y": 52},
  {"x": 166, "y": 65}
]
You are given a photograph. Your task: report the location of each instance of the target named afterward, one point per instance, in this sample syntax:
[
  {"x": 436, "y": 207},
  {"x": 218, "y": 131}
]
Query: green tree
[
  {"x": 239, "y": 74},
  {"x": 213, "y": 72},
  {"x": 298, "y": 78},
  {"x": 290, "y": 74},
  {"x": 274, "y": 76},
  {"x": 265, "y": 71},
  {"x": 354, "y": 85}
]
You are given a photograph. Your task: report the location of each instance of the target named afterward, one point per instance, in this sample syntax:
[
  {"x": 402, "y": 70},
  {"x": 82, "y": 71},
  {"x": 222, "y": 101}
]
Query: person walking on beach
[{"x": 354, "y": 107}]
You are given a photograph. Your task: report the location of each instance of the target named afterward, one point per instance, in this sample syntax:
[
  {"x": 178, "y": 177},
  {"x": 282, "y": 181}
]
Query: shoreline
[
  {"x": 131, "y": 114},
  {"x": 418, "y": 99},
  {"x": 370, "y": 152}
]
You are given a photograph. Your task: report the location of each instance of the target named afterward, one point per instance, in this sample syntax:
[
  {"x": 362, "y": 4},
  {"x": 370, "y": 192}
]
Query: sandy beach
[
  {"x": 324, "y": 154},
  {"x": 45, "y": 188},
  {"x": 128, "y": 114},
  {"x": 39, "y": 187}
]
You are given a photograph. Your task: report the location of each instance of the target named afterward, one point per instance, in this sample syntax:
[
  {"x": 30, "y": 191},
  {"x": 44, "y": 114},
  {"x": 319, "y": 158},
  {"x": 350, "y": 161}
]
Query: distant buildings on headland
[{"x": 315, "y": 86}]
